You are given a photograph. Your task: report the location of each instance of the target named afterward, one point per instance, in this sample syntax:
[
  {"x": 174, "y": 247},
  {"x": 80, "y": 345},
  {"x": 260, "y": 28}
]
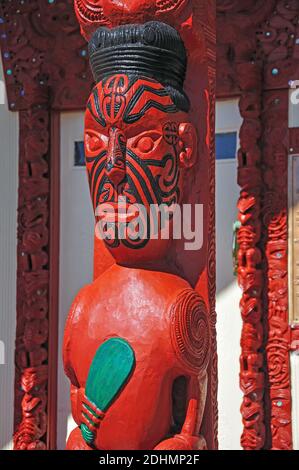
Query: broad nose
[{"x": 116, "y": 156}]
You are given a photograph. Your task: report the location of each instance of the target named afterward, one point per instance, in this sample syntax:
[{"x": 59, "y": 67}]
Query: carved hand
[{"x": 186, "y": 440}]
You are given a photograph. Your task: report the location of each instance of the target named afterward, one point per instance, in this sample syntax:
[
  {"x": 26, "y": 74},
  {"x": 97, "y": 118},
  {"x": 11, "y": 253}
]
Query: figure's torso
[{"x": 134, "y": 305}]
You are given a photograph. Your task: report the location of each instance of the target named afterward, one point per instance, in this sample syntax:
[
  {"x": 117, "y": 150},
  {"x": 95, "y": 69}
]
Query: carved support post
[
  {"x": 44, "y": 62},
  {"x": 250, "y": 274},
  {"x": 258, "y": 55},
  {"x": 32, "y": 281},
  {"x": 146, "y": 324}
]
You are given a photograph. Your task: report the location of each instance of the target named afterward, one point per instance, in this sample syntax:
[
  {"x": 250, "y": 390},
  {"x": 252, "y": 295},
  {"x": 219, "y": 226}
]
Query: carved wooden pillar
[
  {"x": 148, "y": 320},
  {"x": 44, "y": 62},
  {"x": 258, "y": 56}
]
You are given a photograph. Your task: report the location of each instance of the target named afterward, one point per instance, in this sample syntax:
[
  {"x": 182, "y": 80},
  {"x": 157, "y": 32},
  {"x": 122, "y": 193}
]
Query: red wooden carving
[
  {"x": 258, "y": 55},
  {"x": 143, "y": 143},
  {"x": 32, "y": 332},
  {"x": 45, "y": 64}
]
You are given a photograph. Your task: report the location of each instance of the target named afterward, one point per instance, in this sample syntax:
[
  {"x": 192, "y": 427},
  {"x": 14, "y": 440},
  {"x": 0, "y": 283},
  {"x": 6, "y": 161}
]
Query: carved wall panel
[
  {"x": 257, "y": 56},
  {"x": 274, "y": 211},
  {"x": 32, "y": 281},
  {"x": 45, "y": 63},
  {"x": 44, "y": 56}
]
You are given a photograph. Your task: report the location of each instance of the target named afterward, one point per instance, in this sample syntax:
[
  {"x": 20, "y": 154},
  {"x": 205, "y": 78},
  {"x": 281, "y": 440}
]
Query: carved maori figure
[
  {"x": 137, "y": 340},
  {"x": 40, "y": 44}
]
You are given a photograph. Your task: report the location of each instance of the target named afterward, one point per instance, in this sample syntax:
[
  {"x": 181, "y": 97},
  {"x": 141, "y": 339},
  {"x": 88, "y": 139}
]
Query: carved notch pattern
[
  {"x": 45, "y": 63},
  {"x": 258, "y": 54}
]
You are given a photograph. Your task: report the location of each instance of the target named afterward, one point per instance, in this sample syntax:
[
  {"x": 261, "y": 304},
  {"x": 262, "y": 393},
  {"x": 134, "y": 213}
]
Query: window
[
  {"x": 226, "y": 145},
  {"x": 79, "y": 157}
]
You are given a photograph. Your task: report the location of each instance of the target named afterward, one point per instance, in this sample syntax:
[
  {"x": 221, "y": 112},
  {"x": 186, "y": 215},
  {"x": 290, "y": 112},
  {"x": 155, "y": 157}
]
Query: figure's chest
[{"x": 143, "y": 324}]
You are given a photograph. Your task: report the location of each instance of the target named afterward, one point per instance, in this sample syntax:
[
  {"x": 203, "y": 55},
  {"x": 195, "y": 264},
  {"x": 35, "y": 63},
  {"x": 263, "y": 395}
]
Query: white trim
[
  {"x": 9, "y": 155},
  {"x": 294, "y": 360},
  {"x": 228, "y": 118},
  {"x": 76, "y": 249},
  {"x": 221, "y": 161},
  {"x": 293, "y": 111},
  {"x": 229, "y": 323}
]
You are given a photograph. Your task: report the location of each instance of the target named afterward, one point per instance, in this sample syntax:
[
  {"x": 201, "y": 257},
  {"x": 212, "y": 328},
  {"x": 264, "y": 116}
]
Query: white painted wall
[
  {"x": 293, "y": 184},
  {"x": 228, "y": 293},
  {"x": 76, "y": 249},
  {"x": 294, "y": 361},
  {"x": 9, "y": 138},
  {"x": 294, "y": 107}
]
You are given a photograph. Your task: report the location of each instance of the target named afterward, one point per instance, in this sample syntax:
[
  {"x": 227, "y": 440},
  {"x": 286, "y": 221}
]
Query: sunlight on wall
[
  {"x": 229, "y": 325},
  {"x": 9, "y": 135},
  {"x": 295, "y": 395},
  {"x": 2, "y": 92}
]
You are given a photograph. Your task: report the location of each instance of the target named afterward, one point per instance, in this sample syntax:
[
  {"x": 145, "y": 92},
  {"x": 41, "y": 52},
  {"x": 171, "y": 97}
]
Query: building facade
[{"x": 47, "y": 80}]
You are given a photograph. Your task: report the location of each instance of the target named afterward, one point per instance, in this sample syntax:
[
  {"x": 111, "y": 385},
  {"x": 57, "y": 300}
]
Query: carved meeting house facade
[{"x": 139, "y": 343}]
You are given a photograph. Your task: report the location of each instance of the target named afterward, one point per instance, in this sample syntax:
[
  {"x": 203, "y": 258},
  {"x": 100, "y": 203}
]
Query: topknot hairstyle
[{"x": 152, "y": 50}]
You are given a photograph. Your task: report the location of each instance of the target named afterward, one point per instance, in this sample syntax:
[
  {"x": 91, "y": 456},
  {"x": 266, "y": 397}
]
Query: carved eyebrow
[
  {"x": 165, "y": 104},
  {"x": 152, "y": 97},
  {"x": 99, "y": 118},
  {"x": 153, "y": 133}
]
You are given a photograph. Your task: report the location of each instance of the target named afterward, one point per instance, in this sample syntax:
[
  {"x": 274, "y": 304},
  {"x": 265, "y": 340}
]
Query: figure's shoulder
[
  {"x": 78, "y": 305},
  {"x": 124, "y": 278}
]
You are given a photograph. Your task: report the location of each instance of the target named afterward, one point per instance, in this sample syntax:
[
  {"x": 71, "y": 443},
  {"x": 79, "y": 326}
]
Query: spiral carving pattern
[{"x": 190, "y": 330}]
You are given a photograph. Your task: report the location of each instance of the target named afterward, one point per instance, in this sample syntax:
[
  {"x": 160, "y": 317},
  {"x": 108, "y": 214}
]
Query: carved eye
[
  {"x": 94, "y": 143},
  {"x": 147, "y": 142}
]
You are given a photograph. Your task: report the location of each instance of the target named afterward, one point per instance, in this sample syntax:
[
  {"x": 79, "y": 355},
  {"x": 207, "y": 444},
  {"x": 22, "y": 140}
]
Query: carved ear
[{"x": 188, "y": 144}]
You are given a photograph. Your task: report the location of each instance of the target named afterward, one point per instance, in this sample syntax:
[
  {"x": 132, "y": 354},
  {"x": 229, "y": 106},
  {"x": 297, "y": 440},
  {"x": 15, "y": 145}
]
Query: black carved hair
[{"x": 151, "y": 50}]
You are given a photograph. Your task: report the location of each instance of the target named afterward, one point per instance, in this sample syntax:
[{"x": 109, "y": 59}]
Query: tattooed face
[{"x": 133, "y": 149}]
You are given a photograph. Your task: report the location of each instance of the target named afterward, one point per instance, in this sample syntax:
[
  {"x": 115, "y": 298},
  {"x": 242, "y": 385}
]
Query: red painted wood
[
  {"x": 257, "y": 56},
  {"x": 36, "y": 81},
  {"x": 32, "y": 281},
  {"x": 45, "y": 63},
  {"x": 161, "y": 282},
  {"x": 44, "y": 57}
]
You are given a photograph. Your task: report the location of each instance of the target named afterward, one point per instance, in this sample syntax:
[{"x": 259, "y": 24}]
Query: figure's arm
[{"x": 77, "y": 392}]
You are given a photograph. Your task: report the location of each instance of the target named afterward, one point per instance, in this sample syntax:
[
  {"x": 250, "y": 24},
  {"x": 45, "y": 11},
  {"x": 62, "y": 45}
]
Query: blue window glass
[
  {"x": 226, "y": 145},
  {"x": 79, "y": 154}
]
